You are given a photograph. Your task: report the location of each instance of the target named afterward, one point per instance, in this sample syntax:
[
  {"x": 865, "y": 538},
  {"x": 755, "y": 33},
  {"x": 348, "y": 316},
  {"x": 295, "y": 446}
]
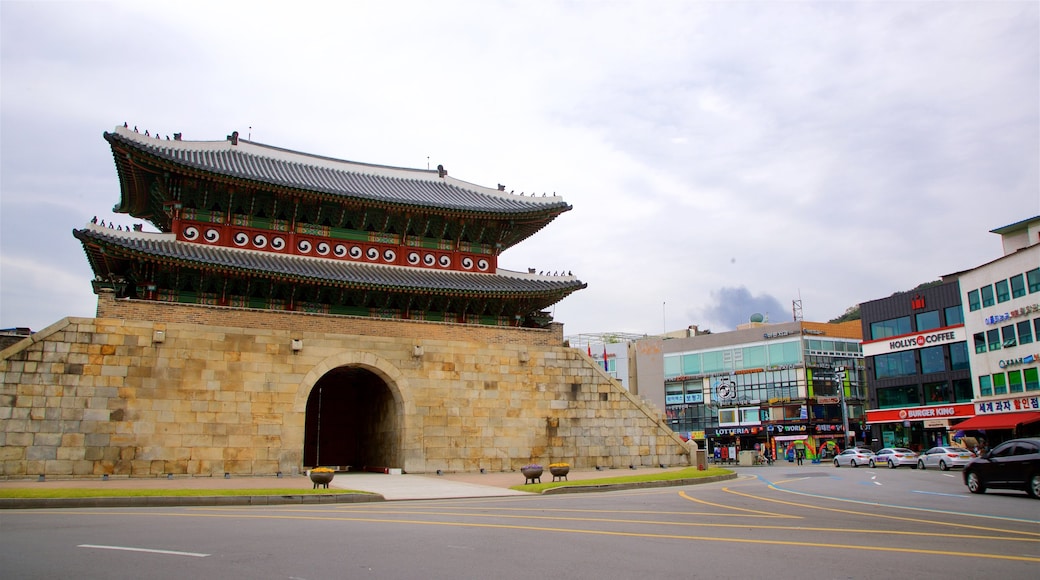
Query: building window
[
  {"x": 993, "y": 339},
  {"x": 954, "y": 315},
  {"x": 887, "y": 328},
  {"x": 1025, "y": 332},
  {"x": 985, "y": 386},
  {"x": 932, "y": 360},
  {"x": 755, "y": 357},
  {"x": 899, "y": 364},
  {"x": 1032, "y": 377},
  {"x": 727, "y": 416},
  {"x": 750, "y": 416},
  {"x": 987, "y": 296},
  {"x": 785, "y": 353},
  {"x": 974, "y": 302},
  {"x": 999, "y": 384},
  {"x": 1015, "y": 381},
  {"x": 691, "y": 364},
  {"x": 713, "y": 362},
  {"x": 1009, "y": 336},
  {"x": 1033, "y": 280},
  {"x": 959, "y": 356},
  {"x": 936, "y": 393},
  {"x": 1003, "y": 291},
  {"x": 904, "y": 396},
  {"x": 927, "y": 320},
  {"x": 980, "y": 342},
  {"x": 962, "y": 391},
  {"x": 1018, "y": 286},
  {"x": 672, "y": 366}
]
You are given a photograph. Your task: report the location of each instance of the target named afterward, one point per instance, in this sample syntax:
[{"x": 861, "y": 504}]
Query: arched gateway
[{"x": 354, "y": 413}]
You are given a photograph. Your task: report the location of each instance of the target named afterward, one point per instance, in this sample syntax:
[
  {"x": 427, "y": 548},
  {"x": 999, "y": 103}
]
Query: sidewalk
[{"x": 384, "y": 487}]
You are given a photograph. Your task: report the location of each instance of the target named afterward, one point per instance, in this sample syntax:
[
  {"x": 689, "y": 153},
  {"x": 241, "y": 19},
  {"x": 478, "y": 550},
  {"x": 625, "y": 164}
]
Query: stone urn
[
  {"x": 321, "y": 478},
  {"x": 532, "y": 473},
  {"x": 559, "y": 472}
]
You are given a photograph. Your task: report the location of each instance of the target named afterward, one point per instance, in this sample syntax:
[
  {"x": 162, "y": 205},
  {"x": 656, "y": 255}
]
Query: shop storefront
[
  {"x": 725, "y": 443},
  {"x": 917, "y": 428},
  {"x": 830, "y": 440},
  {"x": 998, "y": 420}
]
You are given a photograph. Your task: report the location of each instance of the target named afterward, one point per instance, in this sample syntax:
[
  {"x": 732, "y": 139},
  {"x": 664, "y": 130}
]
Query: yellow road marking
[
  {"x": 799, "y": 544},
  {"x": 1000, "y": 538},
  {"x": 729, "y": 507},
  {"x": 883, "y": 516}
]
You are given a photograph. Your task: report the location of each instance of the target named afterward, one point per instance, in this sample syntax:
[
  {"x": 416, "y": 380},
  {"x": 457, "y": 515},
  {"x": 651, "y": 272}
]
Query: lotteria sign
[
  {"x": 921, "y": 413},
  {"x": 914, "y": 341}
]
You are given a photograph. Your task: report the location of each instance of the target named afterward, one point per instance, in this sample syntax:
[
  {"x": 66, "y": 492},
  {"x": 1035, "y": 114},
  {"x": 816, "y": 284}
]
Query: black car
[{"x": 1013, "y": 464}]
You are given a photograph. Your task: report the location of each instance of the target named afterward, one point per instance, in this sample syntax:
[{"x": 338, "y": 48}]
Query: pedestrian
[{"x": 799, "y": 455}]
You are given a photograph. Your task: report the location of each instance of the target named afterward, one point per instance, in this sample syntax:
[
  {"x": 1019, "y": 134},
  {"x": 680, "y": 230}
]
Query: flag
[
  {"x": 590, "y": 350},
  {"x": 606, "y": 366}
]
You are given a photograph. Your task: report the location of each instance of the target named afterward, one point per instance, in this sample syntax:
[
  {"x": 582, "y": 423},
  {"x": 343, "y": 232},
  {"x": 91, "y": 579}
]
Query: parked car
[
  {"x": 854, "y": 457},
  {"x": 945, "y": 457},
  {"x": 895, "y": 457},
  {"x": 1013, "y": 464}
]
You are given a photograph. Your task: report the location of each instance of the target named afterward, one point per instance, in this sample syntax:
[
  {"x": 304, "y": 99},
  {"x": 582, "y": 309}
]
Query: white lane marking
[
  {"x": 148, "y": 550},
  {"x": 777, "y": 487},
  {"x": 937, "y": 493}
]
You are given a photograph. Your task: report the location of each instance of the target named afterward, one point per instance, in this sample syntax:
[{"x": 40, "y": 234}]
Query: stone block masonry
[{"x": 149, "y": 388}]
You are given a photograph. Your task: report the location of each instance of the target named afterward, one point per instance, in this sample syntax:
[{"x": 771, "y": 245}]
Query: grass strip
[
  {"x": 688, "y": 473},
  {"x": 67, "y": 492}
]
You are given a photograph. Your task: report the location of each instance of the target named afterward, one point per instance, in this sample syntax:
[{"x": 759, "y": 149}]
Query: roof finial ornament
[
  {"x": 124, "y": 125},
  {"x": 441, "y": 171},
  {"x": 94, "y": 221},
  {"x": 233, "y": 137}
]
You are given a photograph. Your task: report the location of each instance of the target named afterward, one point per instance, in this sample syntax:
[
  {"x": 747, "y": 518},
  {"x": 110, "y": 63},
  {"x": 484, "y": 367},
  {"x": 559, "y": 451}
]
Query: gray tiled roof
[
  {"x": 165, "y": 247},
  {"x": 281, "y": 167}
]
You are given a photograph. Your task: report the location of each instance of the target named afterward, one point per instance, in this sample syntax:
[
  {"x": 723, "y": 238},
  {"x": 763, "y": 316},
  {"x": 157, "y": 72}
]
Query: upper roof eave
[{"x": 278, "y": 167}]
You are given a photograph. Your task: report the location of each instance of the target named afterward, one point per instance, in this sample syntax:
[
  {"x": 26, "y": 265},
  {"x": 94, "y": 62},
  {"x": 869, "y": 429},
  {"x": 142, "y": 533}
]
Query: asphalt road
[{"x": 782, "y": 521}]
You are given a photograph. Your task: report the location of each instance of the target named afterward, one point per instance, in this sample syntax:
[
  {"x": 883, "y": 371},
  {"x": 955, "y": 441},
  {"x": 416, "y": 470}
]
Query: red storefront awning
[{"x": 998, "y": 421}]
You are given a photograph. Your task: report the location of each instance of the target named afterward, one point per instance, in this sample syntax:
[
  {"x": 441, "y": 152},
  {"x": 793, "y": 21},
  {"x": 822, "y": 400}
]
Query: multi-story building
[
  {"x": 937, "y": 371},
  {"x": 782, "y": 387},
  {"x": 917, "y": 369},
  {"x": 1003, "y": 322}
]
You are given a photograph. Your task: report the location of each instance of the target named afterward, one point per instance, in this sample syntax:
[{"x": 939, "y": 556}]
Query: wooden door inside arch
[{"x": 352, "y": 420}]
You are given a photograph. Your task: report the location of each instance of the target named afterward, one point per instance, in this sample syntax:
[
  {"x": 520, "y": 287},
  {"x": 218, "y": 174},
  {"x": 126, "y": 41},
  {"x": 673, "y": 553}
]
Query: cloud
[
  {"x": 833, "y": 152},
  {"x": 730, "y": 307}
]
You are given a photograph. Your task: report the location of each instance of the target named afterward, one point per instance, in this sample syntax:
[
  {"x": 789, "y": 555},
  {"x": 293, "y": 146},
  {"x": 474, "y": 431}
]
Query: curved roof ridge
[{"x": 261, "y": 150}]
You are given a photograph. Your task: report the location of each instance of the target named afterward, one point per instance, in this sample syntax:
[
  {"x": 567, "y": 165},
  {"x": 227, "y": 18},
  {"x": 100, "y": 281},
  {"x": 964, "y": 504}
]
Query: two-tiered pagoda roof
[{"x": 250, "y": 225}]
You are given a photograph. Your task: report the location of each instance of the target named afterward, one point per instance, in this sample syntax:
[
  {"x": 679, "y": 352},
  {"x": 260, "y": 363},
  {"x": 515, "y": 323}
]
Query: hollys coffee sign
[{"x": 912, "y": 341}]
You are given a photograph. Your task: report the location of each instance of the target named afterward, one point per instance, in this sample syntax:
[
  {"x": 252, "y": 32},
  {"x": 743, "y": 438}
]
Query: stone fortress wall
[{"x": 147, "y": 389}]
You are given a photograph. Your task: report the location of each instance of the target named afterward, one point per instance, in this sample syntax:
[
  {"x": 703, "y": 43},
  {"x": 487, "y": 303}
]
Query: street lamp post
[{"x": 840, "y": 376}]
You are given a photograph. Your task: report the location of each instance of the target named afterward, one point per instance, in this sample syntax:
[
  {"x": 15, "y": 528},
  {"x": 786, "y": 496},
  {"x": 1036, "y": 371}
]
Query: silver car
[
  {"x": 895, "y": 457},
  {"x": 945, "y": 457},
  {"x": 854, "y": 457}
]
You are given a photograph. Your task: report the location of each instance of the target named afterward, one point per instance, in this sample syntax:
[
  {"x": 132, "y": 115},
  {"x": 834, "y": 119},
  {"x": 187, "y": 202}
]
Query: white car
[
  {"x": 895, "y": 457},
  {"x": 854, "y": 457},
  {"x": 945, "y": 457}
]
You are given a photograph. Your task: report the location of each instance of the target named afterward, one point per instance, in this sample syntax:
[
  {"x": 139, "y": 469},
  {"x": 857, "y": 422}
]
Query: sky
[{"x": 722, "y": 158}]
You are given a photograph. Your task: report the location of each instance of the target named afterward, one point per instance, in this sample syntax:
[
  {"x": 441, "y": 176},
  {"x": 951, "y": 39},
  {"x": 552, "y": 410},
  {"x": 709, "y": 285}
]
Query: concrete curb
[
  {"x": 185, "y": 501},
  {"x": 638, "y": 485}
]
